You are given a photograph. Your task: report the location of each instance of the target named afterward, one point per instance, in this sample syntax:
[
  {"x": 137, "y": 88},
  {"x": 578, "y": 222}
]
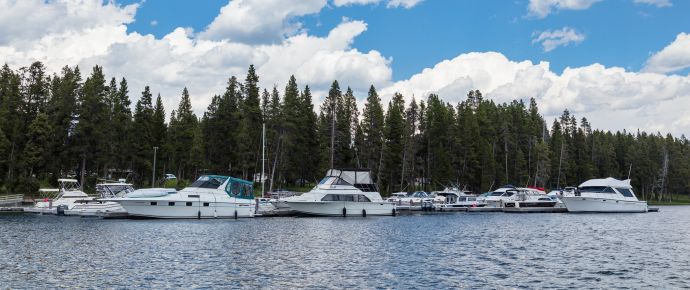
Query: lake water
[{"x": 461, "y": 250}]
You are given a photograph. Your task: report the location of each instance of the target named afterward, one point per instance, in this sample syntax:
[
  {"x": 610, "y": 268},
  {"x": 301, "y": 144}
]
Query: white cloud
[
  {"x": 610, "y": 97},
  {"x": 153, "y": 23},
  {"x": 391, "y": 3},
  {"x": 551, "y": 39},
  {"x": 259, "y": 21},
  {"x": 27, "y": 20},
  {"x": 657, "y": 3},
  {"x": 674, "y": 57},
  {"x": 181, "y": 59},
  {"x": 542, "y": 8}
]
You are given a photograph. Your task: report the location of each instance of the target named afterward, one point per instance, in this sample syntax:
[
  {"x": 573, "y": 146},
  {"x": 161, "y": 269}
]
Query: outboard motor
[{"x": 61, "y": 209}]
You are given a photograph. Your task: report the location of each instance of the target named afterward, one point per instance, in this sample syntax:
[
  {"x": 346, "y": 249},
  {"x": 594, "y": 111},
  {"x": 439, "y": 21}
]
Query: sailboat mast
[
  {"x": 333, "y": 133},
  {"x": 263, "y": 157}
]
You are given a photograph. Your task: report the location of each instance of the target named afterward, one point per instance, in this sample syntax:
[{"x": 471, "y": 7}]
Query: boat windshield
[
  {"x": 596, "y": 189},
  {"x": 209, "y": 182},
  {"x": 497, "y": 193}
]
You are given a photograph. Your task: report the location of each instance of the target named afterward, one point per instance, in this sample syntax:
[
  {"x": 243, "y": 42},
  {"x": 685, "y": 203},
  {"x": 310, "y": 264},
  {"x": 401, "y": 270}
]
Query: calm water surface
[{"x": 464, "y": 250}]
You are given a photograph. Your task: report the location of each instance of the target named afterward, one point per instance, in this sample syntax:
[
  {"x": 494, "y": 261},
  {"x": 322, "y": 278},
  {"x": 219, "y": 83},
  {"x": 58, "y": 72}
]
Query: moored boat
[
  {"x": 607, "y": 195},
  {"x": 66, "y": 197},
  {"x": 345, "y": 192},
  {"x": 210, "y": 196}
]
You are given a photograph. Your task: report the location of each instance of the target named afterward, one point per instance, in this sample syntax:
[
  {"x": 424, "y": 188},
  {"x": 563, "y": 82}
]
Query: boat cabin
[
  {"x": 234, "y": 187},
  {"x": 607, "y": 186},
  {"x": 359, "y": 178}
]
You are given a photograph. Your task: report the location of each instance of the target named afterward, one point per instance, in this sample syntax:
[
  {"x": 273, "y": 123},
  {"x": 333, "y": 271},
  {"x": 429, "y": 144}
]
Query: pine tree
[
  {"x": 90, "y": 134},
  {"x": 142, "y": 132},
  {"x": 182, "y": 133},
  {"x": 372, "y": 129},
  {"x": 394, "y": 134},
  {"x": 37, "y": 150}
]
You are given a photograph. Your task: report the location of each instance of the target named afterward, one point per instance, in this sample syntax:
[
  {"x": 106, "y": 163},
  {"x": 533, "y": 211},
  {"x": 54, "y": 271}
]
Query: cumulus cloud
[
  {"x": 551, "y": 39},
  {"x": 259, "y": 21},
  {"x": 674, "y": 57},
  {"x": 610, "y": 97},
  {"x": 391, "y": 3},
  {"x": 657, "y": 3},
  {"x": 182, "y": 58},
  {"x": 542, "y": 8}
]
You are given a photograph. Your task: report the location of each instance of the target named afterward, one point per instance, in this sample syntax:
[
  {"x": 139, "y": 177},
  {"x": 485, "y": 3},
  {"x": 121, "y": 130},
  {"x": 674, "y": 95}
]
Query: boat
[
  {"x": 101, "y": 208},
  {"x": 210, "y": 196},
  {"x": 57, "y": 201},
  {"x": 456, "y": 199},
  {"x": 418, "y": 200},
  {"x": 343, "y": 192},
  {"x": 604, "y": 195},
  {"x": 273, "y": 204},
  {"x": 510, "y": 196}
]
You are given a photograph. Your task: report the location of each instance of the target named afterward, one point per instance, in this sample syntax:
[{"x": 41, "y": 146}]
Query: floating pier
[{"x": 534, "y": 209}]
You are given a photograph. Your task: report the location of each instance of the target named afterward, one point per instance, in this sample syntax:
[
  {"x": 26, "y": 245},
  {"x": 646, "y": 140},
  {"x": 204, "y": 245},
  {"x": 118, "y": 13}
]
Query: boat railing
[{"x": 11, "y": 199}]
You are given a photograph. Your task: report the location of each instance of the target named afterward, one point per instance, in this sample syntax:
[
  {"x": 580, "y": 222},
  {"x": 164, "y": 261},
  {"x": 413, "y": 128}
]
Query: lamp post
[{"x": 153, "y": 178}]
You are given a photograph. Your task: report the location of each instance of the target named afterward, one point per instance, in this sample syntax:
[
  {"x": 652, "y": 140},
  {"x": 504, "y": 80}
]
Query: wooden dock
[{"x": 535, "y": 209}]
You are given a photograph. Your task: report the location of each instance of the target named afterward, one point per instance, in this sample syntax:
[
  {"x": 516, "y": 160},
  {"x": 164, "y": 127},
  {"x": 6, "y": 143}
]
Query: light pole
[{"x": 153, "y": 178}]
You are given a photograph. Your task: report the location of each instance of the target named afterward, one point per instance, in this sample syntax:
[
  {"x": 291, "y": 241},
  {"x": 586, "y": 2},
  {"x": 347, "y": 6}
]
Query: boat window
[
  {"x": 347, "y": 197},
  {"x": 233, "y": 188},
  {"x": 327, "y": 180},
  {"x": 205, "y": 203},
  {"x": 189, "y": 203},
  {"x": 626, "y": 192},
  {"x": 462, "y": 198},
  {"x": 340, "y": 181},
  {"x": 497, "y": 193},
  {"x": 471, "y": 199},
  {"x": 594, "y": 189},
  {"x": 362, "y": 198},
  {"x": 248, "y": 191},
  {"x": 208, "y": 182},
  {"x": 154, "y": 203},
  {"x": 172, "y": 203},
  {"x": 340, "y": 197},
  {"x": 608, "y": 190},
  {"x": 330, "y": 197},
  {"x": 510, "y": 193}
]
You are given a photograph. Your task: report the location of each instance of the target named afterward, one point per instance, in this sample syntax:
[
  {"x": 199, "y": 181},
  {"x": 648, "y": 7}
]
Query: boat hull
[
  {"x": 589, "y": 204},
  {"x": 96, "y": 209},
  {"x": 322, "y": 208},
  {"x": 196, "y": 209}
]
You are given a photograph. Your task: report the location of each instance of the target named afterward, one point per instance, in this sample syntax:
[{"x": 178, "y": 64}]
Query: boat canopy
[
  {"x": 607, "y": 182},
  {"x": 359, "y": 178}
]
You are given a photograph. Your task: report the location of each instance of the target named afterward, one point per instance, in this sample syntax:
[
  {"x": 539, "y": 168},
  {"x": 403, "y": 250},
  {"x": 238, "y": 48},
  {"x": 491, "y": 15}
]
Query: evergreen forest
[{"x": 82, "y": 124}]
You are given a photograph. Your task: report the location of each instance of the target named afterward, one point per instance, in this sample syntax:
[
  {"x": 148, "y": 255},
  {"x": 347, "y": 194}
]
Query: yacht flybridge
[
  {"x": 343, "y": 192},
  {"x": 604, "y": 195},
  {"x": 67, "y": 196},
  {"x": 210, "y": 196}
]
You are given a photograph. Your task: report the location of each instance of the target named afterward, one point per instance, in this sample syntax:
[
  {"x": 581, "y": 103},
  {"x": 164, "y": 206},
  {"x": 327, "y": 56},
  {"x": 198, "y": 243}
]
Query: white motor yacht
[
  {"x": 346, "y": 192},
  {"x": 100, "y": 208},
  {"x": 604, "y": 195},
  {"x": 458, "y": 200},
  {"x": 210, "y": 196},
  {"x": 526, "y": 197},
  {"x": 66, "y": 197}
]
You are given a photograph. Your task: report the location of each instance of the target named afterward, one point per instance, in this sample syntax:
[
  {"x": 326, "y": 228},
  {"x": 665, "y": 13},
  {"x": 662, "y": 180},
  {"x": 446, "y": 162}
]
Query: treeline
[{"x": 62, "y": 125}]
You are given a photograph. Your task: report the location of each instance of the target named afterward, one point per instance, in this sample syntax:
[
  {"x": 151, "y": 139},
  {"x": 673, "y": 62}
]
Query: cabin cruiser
[
  {"x": 511, "y": 196},
  {"x": 344, "y": 192},
  {"x": 604, "y": 195},
  {"x": 458, "y": 200},
  {"x": 273, "y": 204},
  {"x": 97, "y": 207},
  {"x": 210, "y": 196},
  {"x": 65, "y": 198},
  {"x": 418, "y": 200},
  {"x": 529, "y": 198}
]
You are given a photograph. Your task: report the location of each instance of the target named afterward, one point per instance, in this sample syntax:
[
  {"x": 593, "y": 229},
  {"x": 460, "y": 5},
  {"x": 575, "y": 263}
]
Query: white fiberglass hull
[
  {"x": 335, "y": 208},
  {"x": 162, "y": 209},
  {"x": 589, "y": 204},
  {"x": 96, "y": 209}
]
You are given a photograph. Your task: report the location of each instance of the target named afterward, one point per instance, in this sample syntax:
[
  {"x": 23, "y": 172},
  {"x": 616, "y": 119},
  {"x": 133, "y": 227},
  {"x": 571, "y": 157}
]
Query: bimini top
[
  {"x": 610, "y": 182},
  {"x": 352, "y": 176}
]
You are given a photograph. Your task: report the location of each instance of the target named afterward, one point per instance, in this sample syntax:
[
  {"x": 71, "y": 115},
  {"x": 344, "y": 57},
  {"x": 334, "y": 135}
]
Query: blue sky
[
  {"x": 618, "y": 32},
  {"x": 623, "y": 64}
]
